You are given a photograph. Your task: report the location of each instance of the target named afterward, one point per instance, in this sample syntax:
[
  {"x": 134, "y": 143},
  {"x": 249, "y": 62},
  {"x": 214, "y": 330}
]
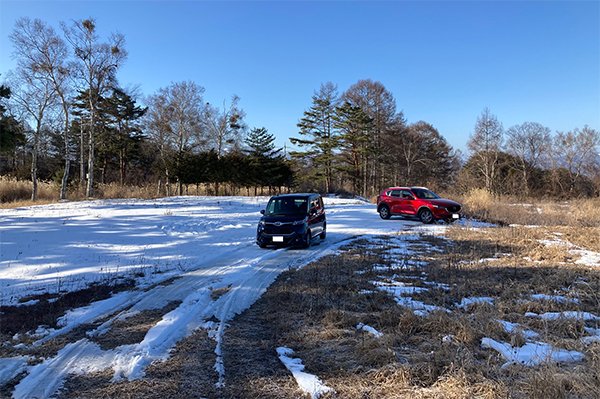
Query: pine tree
[
  {"x": 265, "y": 159},
  {"x": 354, "y": 126},
  {"x": 317, "y": 126}
]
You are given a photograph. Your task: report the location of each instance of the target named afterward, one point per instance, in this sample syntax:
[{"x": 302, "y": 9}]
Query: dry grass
[
  {"x": 481, "y": 204},
  {"x": 315, "y": 310},
  {"x": 188, "y": 373},
  {"x": 19, "y": 192}
]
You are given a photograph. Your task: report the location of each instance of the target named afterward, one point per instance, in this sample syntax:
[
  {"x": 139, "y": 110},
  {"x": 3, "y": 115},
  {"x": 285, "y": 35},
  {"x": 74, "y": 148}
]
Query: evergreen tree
[
  {"x": 11, "y": 134},
  {"x": 264, "y": 159},
  {"x": 317, "y": 126},
  {"x": 125, "y": 131},
  {"x": 354, "y": 126}
]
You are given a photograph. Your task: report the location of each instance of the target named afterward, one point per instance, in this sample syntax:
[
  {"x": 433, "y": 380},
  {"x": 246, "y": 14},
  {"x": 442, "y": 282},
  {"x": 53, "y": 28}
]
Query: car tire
[
  {"x": 323, "y": 234},
  {"x": 384, "y": 212},
  {"x": 306, "y": 239},
  {"x": 426, "y": 216}
]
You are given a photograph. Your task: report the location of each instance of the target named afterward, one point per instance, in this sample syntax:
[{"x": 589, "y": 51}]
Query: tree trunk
[
  {"x": 34, "y": 160},
  {"x": 65, "y": 179},
  {"x": 122, "y": 166},
  {"x": 34, "y": 188},
  {"x": 82, "y": 157},
  {"x": 167, "y": 183},
  {"x": 89, "y": 192}
]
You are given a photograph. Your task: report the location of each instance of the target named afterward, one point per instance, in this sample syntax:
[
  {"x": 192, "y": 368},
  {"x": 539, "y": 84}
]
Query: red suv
[{"x": 416, "y": 201}]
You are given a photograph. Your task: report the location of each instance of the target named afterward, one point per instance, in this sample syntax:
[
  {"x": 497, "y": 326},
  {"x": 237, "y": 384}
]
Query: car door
[
  {"x": 395, "y": 201},
  {"x": 316, "y": 216},
  {"x": 407, "y": 202}
]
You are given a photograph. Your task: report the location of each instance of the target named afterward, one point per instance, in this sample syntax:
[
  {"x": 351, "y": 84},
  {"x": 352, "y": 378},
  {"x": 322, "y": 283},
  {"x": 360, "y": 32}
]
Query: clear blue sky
[{"x": 443, "y": 61}]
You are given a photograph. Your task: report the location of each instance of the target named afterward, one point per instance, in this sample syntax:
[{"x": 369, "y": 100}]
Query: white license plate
[
  {"x": 455, "y": 216},
  {"x": 277, "y": 239}
]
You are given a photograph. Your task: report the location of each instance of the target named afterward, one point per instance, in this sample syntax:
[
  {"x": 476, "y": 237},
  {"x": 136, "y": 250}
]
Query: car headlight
[
  {"x": 439, "y": 207},
  {"x": 298, "y": 222}
]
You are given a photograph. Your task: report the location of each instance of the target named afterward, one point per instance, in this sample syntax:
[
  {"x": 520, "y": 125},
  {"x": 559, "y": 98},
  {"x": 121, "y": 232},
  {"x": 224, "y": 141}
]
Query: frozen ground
[{"x": 207, "y": 242}]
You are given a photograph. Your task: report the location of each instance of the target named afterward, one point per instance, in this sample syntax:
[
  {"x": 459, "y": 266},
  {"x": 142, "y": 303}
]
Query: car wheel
[
  {"x": 426, "y": 216},
  {"x": 384, "y": 212},
  {"x": 306, "y": 239},
  {"x": 323, "y": 235}
]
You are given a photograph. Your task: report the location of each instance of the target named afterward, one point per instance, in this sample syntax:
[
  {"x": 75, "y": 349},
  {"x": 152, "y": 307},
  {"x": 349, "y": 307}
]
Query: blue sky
[{"x": 443, "y": 61}]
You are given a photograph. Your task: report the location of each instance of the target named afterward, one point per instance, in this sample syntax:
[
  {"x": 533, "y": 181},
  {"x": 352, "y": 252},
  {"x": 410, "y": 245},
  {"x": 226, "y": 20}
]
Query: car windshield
[
  {"x": 423, "y": 193},
  {"x": 289, "y": 206}
]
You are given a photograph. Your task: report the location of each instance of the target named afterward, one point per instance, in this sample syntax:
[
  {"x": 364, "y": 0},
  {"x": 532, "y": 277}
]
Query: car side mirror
[{"x": 262, "y": 211}]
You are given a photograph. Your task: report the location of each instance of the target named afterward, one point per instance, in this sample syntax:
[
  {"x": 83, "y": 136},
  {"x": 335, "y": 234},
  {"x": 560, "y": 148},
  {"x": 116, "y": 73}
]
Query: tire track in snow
[{"x": 248, "y": 280}]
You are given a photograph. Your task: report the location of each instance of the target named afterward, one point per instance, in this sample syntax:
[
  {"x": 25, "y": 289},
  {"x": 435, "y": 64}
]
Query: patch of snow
[
  {"x": 587, "y": 258},
  {"x": 87, "y": 314},
  {"x": 434, "y": 284},
  {"x": 553, "y": 298},
  {"x": 466, "y": 302},
  {"x": 366, "y": 292},
  {"x": 474, "y": 223},
  {"x": 369, "y": 329},
  {"x": 513, "y": 328},
  {"x": 418, "y": 307},
  {"x": 397, "y": 288},
  {"x": 593, "y": 337},
  {"x": 572, "y": 314},
  {"x": 11, "y": 367},
  {"x": 308, "y": 383},
  {"x": 531, "y": 354},
  {"x": 448, "y": 339}
]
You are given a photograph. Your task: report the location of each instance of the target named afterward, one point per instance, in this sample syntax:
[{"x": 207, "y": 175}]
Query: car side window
[
  {"x": 406, "y": 194},
  {"x": 314, "y": 205},
  {"x": 394, "y": 193}
]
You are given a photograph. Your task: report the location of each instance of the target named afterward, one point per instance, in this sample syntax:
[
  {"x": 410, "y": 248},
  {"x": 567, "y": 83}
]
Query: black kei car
[{"x": 292, "y": 219}]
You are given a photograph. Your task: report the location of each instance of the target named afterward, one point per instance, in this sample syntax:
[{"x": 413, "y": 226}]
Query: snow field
[{"x": 206, "y": 242}]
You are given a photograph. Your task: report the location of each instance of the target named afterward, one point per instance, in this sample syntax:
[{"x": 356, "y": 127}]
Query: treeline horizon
[{"x": 64, "y": 117}]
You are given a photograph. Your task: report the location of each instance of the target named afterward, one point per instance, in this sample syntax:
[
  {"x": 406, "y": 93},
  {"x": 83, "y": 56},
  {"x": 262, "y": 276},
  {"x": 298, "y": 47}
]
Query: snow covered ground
[
  {"x": 208, "y": 242},
  {"x": 65, "y": 247}
]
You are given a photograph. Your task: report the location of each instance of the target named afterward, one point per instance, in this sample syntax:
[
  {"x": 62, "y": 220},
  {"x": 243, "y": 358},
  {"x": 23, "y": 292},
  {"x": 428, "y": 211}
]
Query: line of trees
[
  {"x": 64, "y": 106},
  {"x": 358, "y": 141},
  {"x": 528, "y": 160}
]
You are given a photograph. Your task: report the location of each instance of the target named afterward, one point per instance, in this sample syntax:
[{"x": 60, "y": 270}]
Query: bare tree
[
  {"x": 97, "y": 65},
  {"x": 225, "y": 125},
  {"x": 485, "y": 144},
  {"x": 528, "y": 142},
  {"x": 578, "y": 151},
  {"x": 174, "y": 123},
  {"x": 31, "y": 98},
  {"x": 40, "y": 49}
]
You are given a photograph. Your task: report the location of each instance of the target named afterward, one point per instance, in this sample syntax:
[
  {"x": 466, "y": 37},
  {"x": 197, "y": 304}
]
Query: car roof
[
  {"x": 295, "y": 195},
  {"x": 405, "y": 188}
]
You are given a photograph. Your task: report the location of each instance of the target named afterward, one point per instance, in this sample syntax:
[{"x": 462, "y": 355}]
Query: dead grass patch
[
  {"x": 315, "y": 311},
  {"x": 188, "y": 373},
  {"x": 21, "y": 319},
  {"x": 483, "y": 205}
]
